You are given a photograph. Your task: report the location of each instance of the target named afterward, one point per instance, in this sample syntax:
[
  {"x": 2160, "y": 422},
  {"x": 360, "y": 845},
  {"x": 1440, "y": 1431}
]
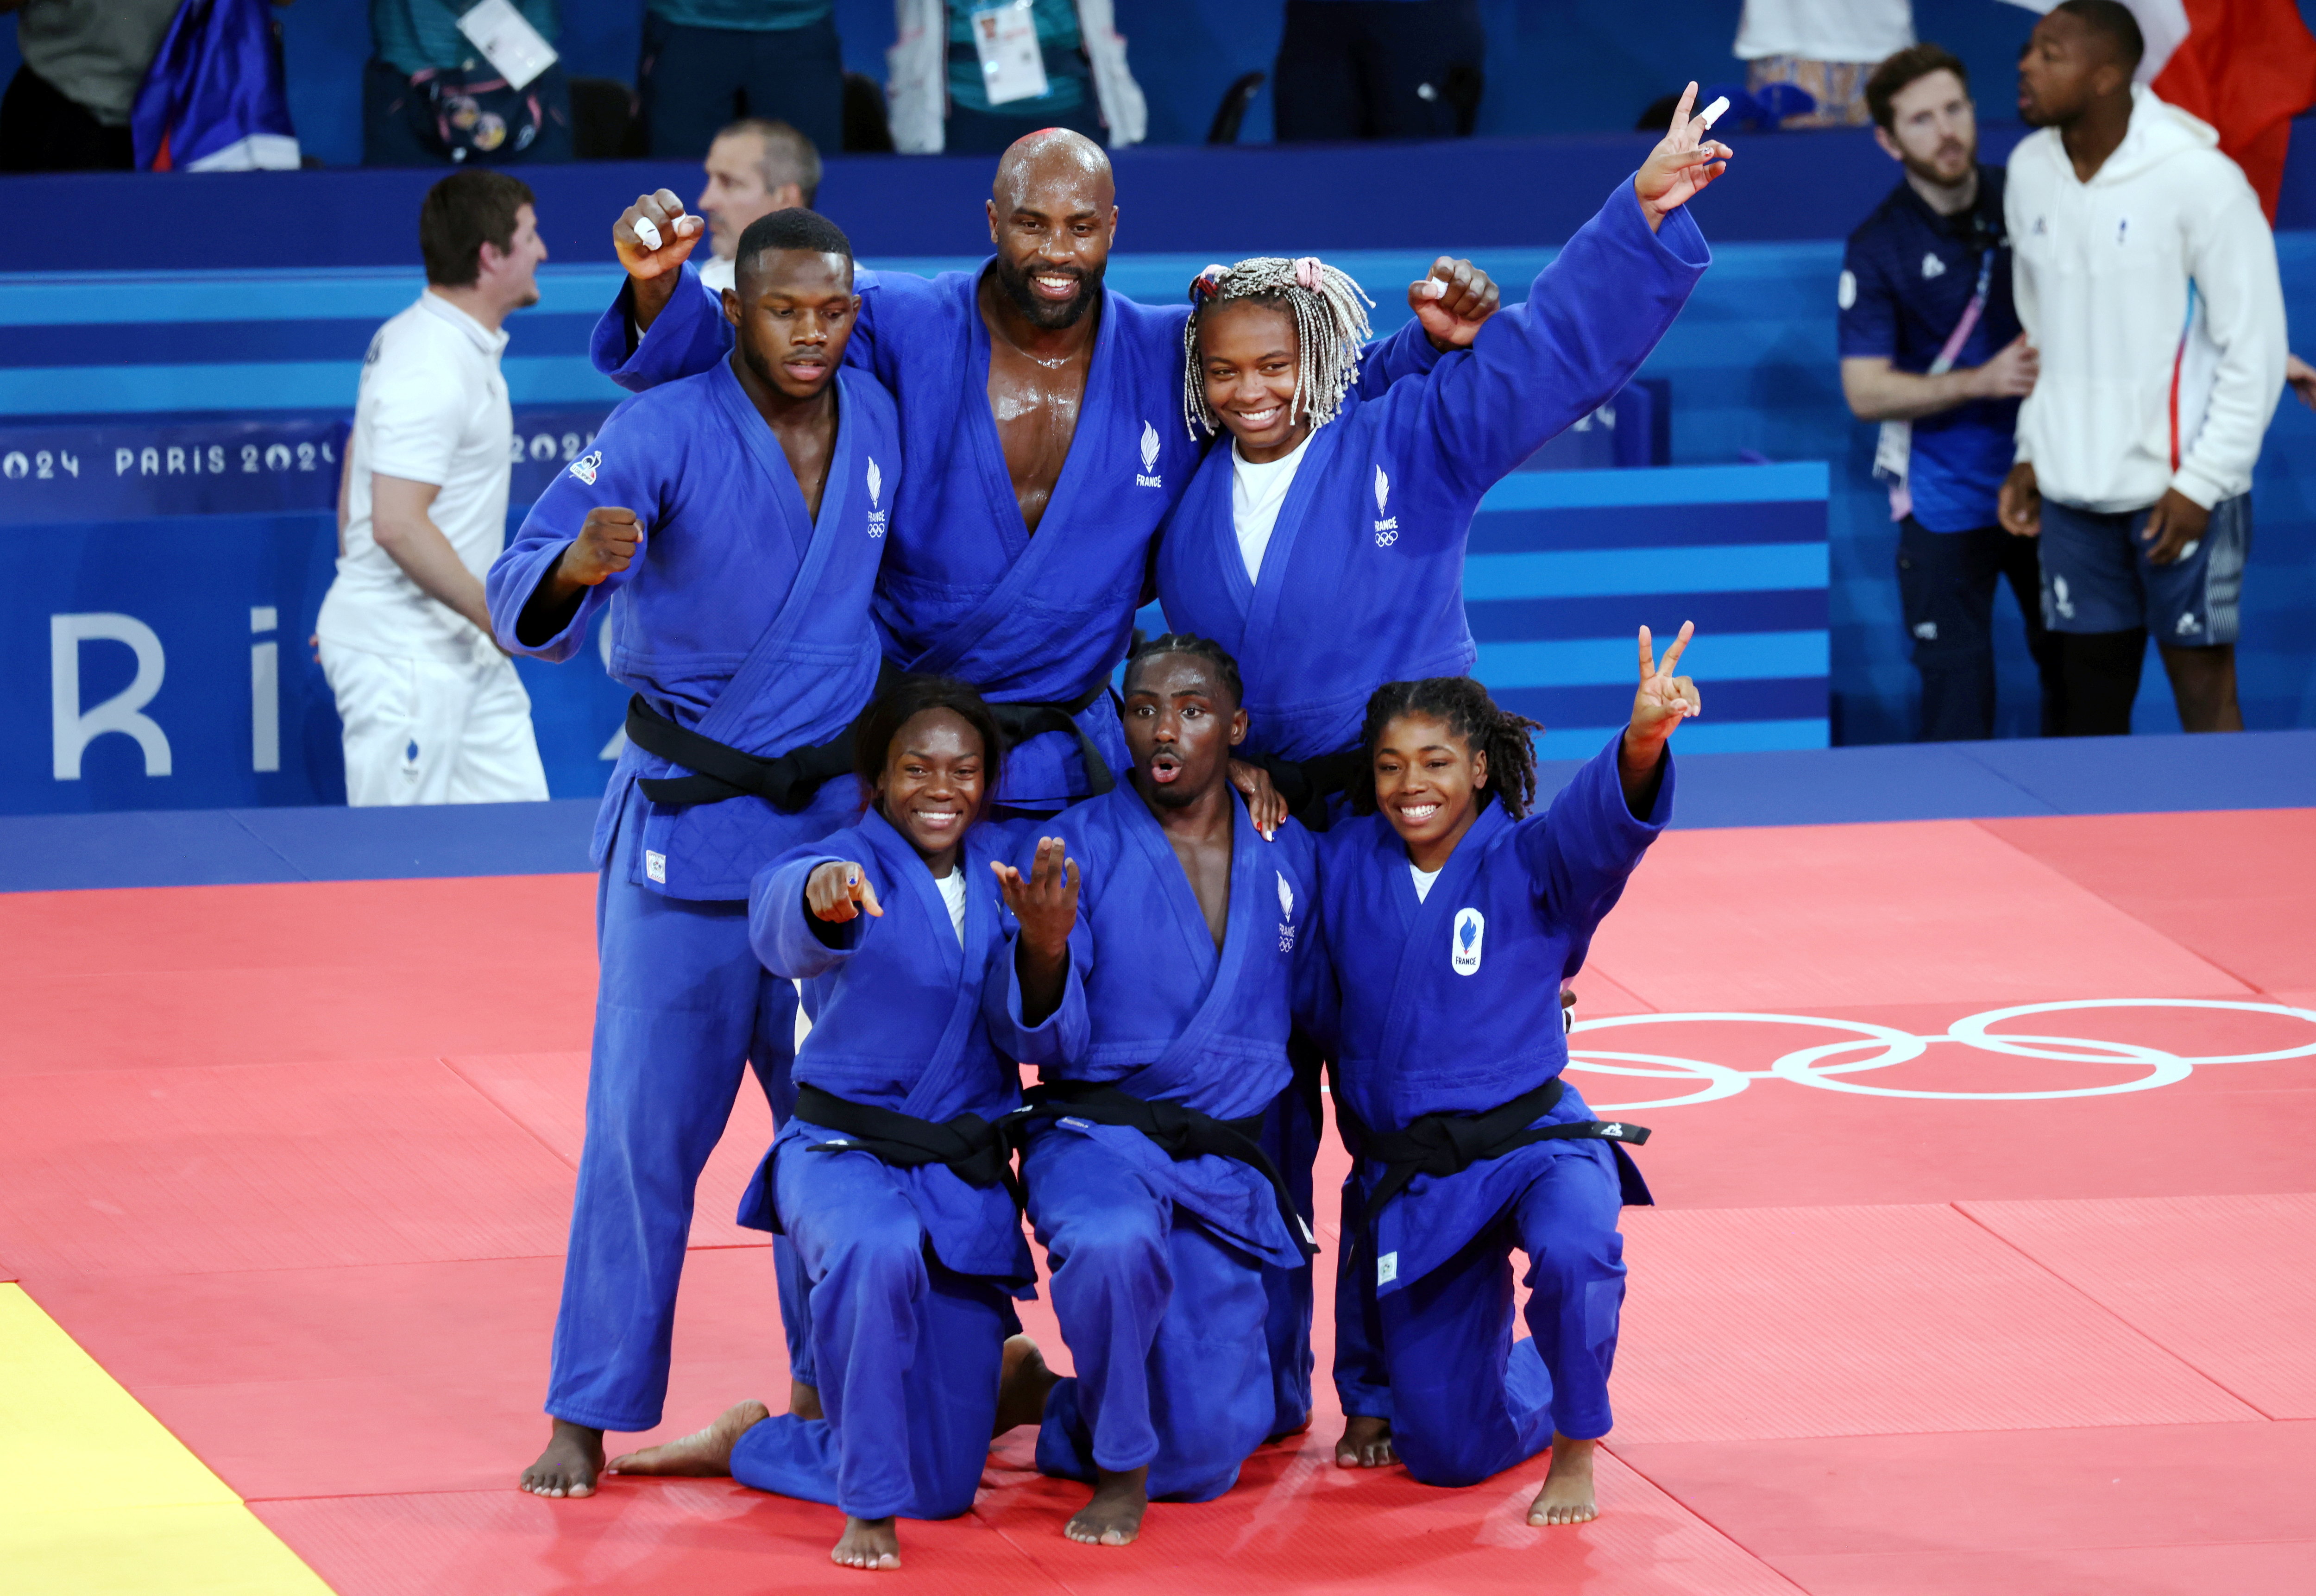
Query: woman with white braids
[{"x": 1324, "y": 548}]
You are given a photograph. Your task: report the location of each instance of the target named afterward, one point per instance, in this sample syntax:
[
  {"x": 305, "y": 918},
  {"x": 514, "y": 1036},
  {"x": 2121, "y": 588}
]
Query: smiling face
[
  {"x": 795, "y": 311},
  {"x": 1052, "y": 215},
  {"x": 1428, "y": 779},
  {"x": 1933, "y": 129},
  {"x": 1181, "y": 723},
  {"x": 1249, "y": 356},
  {"x": 2066, "y": 65},
  {"x": 935, "y": 772}
]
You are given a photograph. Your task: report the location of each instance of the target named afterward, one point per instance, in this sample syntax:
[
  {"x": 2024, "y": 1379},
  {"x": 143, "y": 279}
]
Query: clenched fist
[{"x": 603, "y": 549}]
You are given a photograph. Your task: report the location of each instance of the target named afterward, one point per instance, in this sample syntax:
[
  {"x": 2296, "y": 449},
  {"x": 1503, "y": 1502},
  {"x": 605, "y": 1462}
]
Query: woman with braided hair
[
  {"x": 1324, "y": 546},
  {"x": 1452, "y": 915}
]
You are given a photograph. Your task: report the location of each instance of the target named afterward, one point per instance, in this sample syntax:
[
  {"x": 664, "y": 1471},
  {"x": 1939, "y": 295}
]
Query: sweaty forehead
[
  {"x": 1171, "y": 676},
  {"x": 1057, "y": 174}
]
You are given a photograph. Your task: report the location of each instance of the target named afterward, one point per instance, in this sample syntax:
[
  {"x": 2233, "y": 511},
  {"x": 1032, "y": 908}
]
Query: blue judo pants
[
  {"x": 1165, "y": 1321},
  {"x": 909, "y": 1354},
  {"x": 1436, "y": 1356},
  {"x": 1291, "y": 1130},
  {"x": 682, "y": 1009}
]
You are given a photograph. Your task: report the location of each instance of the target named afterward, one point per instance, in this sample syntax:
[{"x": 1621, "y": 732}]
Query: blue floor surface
[{"x": 1809, "y": 787}]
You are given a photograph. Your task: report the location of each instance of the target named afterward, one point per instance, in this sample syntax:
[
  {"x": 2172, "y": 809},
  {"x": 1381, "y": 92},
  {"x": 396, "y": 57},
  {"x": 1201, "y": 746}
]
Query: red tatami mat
[
  {"x": 294, "y": 1163},
  {"x": 2227, "y": 1284},
  {"x": 2026, "y": 1490},
  {"x": 547, "y": 1094},
  {"x": 1750, "y": 1324},
  {"x": 268, "y": 1166},
  {"x": 295, "y": 972},
  {"x": 1912, "y": 911},
  {"x": 2230, "y": 884}
]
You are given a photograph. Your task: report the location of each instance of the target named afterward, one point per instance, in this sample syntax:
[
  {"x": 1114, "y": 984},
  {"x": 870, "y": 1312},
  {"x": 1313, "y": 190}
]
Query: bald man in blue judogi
[{"x": 739, "y": 616}]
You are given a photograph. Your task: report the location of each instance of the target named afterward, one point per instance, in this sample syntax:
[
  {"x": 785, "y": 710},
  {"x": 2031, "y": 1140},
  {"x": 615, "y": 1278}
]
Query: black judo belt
[
  {"x": 1181, "y": 1132},
  {"x": 1306, "y": 784},
  {"x": 975, "y": 1147},
  {"x": 1022, "y": 722},
  {"x": 1449, "y": 1144},
  {"x": 787, "y": 783}
]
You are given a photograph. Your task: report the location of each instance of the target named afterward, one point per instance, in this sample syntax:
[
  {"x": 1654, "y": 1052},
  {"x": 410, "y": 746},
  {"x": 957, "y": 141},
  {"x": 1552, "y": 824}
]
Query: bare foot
[
  {"x": 1567, "y": 1495},
  {"x": 704, "y": 1454},
  {"x": 804, "y": 1401},
  {"x": 868, "y": 1543},
  {"x": 1114, "y": 1517},
  {"x": 1021, "y": 1388},
  {"x": 1366, "y": 1444},
  {"x": 568, "y": 1467}
]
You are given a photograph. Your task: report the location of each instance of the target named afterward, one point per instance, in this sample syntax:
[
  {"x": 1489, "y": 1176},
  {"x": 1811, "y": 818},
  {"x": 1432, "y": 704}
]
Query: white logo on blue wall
[
  {"x": 1147, "y": 477},
  {"x": 1463, "y": 942}
]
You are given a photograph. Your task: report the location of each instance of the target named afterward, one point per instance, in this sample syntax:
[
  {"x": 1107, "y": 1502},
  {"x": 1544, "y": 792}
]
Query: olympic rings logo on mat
[{"x": 1815, "y": 1066}]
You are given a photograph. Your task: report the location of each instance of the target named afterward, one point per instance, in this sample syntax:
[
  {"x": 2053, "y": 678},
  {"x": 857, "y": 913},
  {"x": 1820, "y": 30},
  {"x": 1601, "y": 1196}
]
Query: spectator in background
[
  {"x": 707, "y": 61},
  {"x": 67, "y": 109},
  {"x": 1828, "y": 47},
  {"x": 2147, "y": 277},
  {"x": 433, "y": 712},
  {"x": 971, "y": 77},
  {"x": 1931, "y": 347},
  {"x": 431, "y": 97},
  {"x": 1378, "y": 69},
  {"x": 755, "y": 168}
]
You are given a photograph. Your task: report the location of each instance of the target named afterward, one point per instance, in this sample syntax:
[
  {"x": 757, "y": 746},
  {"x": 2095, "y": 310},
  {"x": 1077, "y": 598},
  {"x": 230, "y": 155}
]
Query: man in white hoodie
[{"x": 2145, "y": 275}]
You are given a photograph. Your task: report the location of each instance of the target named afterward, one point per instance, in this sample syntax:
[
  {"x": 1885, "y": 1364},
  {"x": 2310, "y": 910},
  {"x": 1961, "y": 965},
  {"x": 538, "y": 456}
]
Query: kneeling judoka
[
  {"x": 1157, "y": 1012},
  {"x": 731, "y": 525},
  {"x": 1465, "y": 1141},
  {"x": 891, "y": 1179}
]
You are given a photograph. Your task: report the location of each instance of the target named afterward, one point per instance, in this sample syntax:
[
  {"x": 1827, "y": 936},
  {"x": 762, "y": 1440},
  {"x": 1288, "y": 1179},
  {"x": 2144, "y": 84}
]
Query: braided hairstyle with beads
[
  {"x": 1330, "y": 312},
  {"x": 1463, "y": 706},
  {"x": 1205, "y": 648}
]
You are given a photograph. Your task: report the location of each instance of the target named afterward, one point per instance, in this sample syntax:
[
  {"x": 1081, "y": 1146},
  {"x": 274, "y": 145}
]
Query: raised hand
[
  {"x": 1045, "y": 900},
  {"x": 1683, "y": 162},
  {"x": 1452, "y": 301},
  {"x": 833, "y": 891},
  {"x": 1664, "y": 699},
  {"x": 662, "y": 217}
]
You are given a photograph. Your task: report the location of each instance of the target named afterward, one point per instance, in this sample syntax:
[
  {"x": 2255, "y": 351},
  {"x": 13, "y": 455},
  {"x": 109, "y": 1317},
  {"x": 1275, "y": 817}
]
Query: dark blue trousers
[
  {"x": 1164, "y": 1323},
  {"x": 909, "y": 1354},
  {"x": 682, "y": 1011},
  {"x": 694, "y": 81},
  {"x": 1945, "y": 588},
  {"x": 1436, "y": 1356}
]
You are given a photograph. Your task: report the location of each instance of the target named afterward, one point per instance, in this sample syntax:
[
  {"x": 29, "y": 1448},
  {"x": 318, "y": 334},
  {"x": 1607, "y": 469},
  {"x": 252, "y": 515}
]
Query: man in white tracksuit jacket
[{"x": 2145, "y": 275}]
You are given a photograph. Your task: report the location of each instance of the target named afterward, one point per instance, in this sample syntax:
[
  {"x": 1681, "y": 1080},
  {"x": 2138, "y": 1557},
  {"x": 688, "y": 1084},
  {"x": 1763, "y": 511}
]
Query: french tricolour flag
[
  {"x": 213, "y": 100},
  {"x": 2246, "y": 67}
]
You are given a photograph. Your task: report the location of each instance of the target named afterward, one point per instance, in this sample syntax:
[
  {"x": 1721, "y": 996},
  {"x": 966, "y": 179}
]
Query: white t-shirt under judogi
[{"x": 432, "y": 409}]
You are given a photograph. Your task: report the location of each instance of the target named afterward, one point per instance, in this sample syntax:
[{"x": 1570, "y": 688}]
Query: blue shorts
[{"x": 2096, "y": 576}]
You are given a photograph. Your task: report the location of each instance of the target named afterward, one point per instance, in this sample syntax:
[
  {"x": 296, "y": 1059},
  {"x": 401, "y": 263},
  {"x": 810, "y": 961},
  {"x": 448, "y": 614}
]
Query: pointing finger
[{"x": 867, "y": 894}]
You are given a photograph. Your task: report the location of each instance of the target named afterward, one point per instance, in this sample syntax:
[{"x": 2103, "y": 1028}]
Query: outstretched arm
[{"x": 1591, "y": 317}]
